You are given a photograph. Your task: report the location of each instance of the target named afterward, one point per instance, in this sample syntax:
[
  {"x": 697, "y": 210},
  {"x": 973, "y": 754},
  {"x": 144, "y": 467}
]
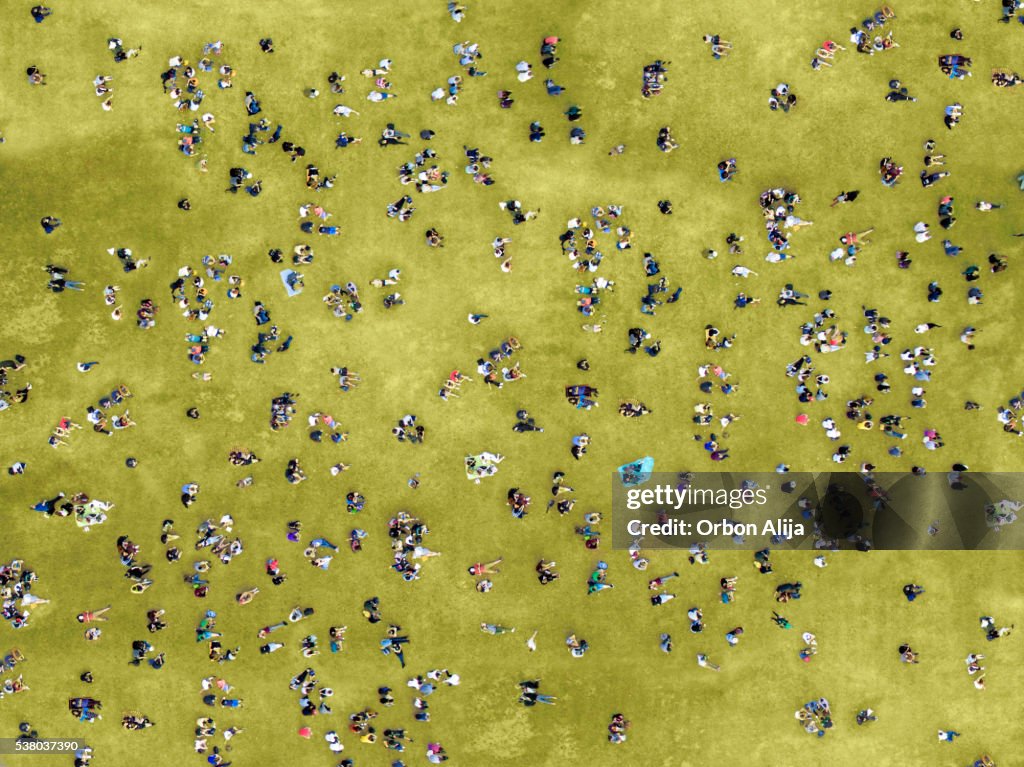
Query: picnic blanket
[
  {"x": 636, "y": 472},
  {"x": 286, "y": 277},
  {"x": 483, "y": 465}
]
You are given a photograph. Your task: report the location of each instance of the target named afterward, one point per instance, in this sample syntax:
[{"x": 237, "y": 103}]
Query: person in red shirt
[
  {"x": 96, "y": 615},
  {"x": 488, "y": 568}
]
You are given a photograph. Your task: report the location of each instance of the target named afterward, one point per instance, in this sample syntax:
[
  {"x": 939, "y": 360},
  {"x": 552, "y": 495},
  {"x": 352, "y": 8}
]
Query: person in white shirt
[
  {"x": 334, "y": 742},
  {"x": 704, "y": 662}
]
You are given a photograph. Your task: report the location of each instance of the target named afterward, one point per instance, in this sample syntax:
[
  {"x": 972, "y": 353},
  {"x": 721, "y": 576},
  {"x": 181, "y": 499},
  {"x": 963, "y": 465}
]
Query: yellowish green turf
[{"x": 114, "y": 178}]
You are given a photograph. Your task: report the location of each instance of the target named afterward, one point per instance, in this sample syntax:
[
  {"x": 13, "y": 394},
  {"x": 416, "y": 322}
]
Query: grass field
[{"x": 115, "y": 178}]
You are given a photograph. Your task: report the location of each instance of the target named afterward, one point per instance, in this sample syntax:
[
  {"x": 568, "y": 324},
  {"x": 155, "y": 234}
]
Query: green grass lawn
[{"x": 115, "y": 178}]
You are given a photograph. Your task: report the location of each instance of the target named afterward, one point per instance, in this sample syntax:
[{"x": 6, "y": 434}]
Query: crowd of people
[{"x": 584, "y": 242}]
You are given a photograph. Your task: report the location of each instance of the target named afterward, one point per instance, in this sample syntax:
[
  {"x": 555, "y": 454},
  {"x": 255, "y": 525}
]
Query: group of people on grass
[{"x": 584, "y": 242}]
